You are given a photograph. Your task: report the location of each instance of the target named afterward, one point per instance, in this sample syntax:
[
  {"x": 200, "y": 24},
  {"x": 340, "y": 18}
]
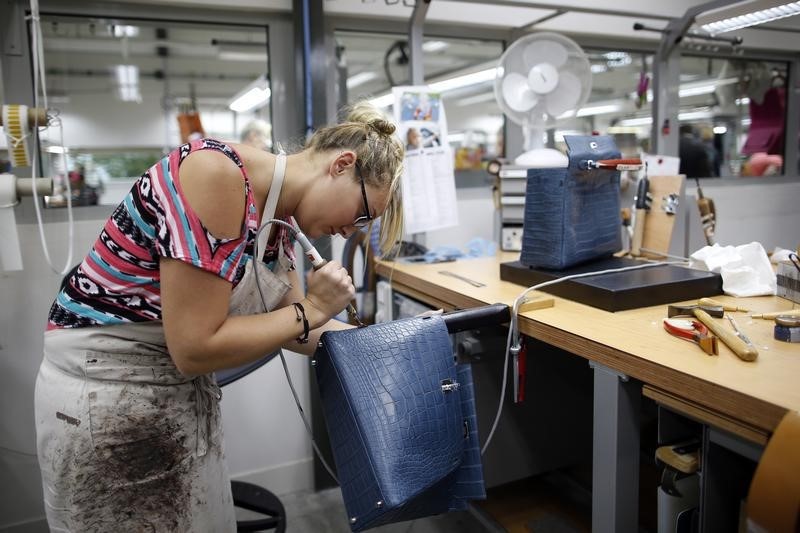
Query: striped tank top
[{"x": 119, "y": 280}]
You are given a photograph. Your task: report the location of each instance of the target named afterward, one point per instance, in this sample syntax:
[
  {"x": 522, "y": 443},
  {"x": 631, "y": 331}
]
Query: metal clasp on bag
[{"x": 448, "y": 385}]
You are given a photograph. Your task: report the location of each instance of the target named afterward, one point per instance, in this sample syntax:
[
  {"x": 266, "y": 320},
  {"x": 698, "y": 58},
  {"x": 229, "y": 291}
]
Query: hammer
[{"x": 704, "y": 314}]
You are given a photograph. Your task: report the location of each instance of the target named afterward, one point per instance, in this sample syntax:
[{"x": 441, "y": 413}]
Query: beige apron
[{"x": 127, "y": 443}]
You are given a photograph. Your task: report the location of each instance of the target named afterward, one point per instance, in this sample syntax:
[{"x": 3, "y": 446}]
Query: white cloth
[{"x": 745, "y": 269}]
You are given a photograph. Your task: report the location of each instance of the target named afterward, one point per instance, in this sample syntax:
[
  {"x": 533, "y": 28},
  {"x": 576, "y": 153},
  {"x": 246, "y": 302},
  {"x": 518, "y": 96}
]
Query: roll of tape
[
  {"x": 774, "y": 497},
  {"x": 787, "y": 328},
  {"x": 15, "y": 125}
]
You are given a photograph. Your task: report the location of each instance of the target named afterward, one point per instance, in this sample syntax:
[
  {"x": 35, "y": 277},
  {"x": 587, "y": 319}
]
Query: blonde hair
[{"x": 379, "y": 155}]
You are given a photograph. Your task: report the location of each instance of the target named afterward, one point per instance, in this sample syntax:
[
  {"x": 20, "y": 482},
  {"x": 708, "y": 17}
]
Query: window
[{"x": 128, "y": 91}]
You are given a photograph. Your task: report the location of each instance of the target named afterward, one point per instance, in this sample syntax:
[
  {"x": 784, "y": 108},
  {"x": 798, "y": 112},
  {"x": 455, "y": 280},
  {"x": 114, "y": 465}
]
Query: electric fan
[{"x": 542, "y": 78}]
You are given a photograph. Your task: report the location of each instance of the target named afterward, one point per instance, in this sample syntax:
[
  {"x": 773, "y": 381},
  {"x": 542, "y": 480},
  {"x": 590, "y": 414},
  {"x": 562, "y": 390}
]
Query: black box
[{"x": 618, "y": 291}]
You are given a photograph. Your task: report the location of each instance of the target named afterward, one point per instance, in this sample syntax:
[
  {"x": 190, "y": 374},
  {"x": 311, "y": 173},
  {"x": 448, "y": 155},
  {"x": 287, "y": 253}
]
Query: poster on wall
[{"x": 429, "y": 188}]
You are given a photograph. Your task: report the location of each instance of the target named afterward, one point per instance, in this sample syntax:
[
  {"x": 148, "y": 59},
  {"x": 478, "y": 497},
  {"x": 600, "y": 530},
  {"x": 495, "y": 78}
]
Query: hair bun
[
  {"x": 382, "y": 126},
  {"x": 368, "y": 115}
]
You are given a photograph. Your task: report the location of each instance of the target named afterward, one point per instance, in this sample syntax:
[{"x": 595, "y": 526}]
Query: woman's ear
[{"x": 342, "y": 162}]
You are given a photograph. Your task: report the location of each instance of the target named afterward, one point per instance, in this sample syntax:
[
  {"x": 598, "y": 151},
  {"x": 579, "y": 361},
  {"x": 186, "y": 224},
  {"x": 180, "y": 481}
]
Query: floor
[
  {"x": 324, "y": 512},
  {"x": 543, "y": 504}
]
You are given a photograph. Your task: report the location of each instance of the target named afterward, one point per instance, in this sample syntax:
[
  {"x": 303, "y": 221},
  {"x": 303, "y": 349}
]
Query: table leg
[{"x": 615, "y": 454}]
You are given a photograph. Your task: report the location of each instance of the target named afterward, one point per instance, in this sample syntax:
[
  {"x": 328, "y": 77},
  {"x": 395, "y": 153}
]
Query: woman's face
[{"x": 338, "y": 204}]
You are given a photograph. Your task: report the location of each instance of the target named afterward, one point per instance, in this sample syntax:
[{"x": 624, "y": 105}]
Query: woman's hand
[{"x": 329, "y": 290}]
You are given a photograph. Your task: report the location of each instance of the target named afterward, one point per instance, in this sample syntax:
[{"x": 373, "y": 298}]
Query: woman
[{"x": 127, "y": 413}]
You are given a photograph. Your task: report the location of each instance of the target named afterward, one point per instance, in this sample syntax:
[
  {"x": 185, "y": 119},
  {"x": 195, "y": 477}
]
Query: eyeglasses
[{"x": 363, "y": 220}]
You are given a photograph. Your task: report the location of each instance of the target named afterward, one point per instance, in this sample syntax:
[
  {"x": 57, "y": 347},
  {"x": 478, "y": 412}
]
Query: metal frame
[{"x": 615, "y": 455}]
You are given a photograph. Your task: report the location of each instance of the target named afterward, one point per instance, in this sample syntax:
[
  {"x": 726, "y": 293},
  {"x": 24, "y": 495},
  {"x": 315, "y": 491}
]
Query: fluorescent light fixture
[
  {"x": 719, "y": 130},
  {"x": 646, "y": 121},
  {"x": 458, "y": 82},
  {"x": 594, "y": 110},
  {"x": 127, "y": 77},
  {"x": 696, "y": 91},
  {"x": 466, "y": 80},
  {"x": 56, "y": 149},
  {"x": 598, "y": 68},
  {"x": 640, "y": 121},
  {"x": 434, "y": 46},
  {"x": 743, "y": 101},
  {"x": 744, "y": 14},
  {"x": 360, "y": 79},
  {"x": 125, "y": 31},
  {"x": 256, "y": 94},
  {"x": 255, "y": 97}
]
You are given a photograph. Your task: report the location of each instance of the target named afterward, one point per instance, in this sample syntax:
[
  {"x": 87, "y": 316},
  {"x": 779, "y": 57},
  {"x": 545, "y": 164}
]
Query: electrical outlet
[{"x": 512, "y": 239}]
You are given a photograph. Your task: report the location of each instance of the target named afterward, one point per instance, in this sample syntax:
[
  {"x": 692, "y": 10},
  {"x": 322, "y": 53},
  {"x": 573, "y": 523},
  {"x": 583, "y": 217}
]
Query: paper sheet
[{"x": 429, "y": 189}]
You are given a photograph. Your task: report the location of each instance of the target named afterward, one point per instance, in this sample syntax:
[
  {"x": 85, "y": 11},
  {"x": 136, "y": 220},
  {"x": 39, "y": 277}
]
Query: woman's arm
[
  {"x": 200, "y": 335},
  {"x": 295, "y": 294}
]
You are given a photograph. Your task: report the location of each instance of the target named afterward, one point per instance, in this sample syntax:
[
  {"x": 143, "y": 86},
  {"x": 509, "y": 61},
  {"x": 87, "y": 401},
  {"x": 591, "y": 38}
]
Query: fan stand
[{"x": 536, "y": 155}]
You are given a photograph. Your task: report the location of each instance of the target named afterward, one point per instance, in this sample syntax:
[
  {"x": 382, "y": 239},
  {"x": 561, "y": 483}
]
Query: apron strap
[{"x": 272, "y": 201}]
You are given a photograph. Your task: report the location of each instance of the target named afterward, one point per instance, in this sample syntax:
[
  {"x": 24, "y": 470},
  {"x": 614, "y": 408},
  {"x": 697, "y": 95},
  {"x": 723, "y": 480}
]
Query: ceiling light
[
  {"x": 360, "y": 79},
  {"x": 127, "y": 77},
  {"x": 458, "y": 82},
  {"x": 594, "y": 110},
  {"x": 745, "y": 14},
  {"x": 719, "y": 130},
  {"x": 125, "y": 31},
  {"x": 434, "y": 46},
  {"x": 252, "y": 98},
  {"x": 464, "y": 81}
]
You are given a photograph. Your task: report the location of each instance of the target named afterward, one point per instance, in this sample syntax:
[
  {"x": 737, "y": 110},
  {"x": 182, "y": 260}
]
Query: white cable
[
  {"x": 37, "y": 50},
  {"x": 514, "y": 335},
  {"x": 280, "y": 351}
]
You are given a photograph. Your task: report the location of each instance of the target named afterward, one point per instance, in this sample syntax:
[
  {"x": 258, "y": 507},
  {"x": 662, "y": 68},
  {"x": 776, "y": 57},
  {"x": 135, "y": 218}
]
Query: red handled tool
[
  {"x": 615, "y": 164},
  {"x": 694, "y": 331}
]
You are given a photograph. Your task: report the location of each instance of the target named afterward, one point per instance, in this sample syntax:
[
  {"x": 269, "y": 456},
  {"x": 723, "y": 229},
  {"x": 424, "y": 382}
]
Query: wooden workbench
[{"x": 744, "y": 399}]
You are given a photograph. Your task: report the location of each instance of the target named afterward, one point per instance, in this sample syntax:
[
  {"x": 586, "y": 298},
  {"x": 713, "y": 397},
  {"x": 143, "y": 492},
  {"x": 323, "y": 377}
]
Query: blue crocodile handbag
[
  {"x": 400, "y": 414},
  {"x": 572, "y": 215}
]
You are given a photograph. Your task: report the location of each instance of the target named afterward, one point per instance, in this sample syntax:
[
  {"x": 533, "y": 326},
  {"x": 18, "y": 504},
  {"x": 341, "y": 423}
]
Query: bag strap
[{"x": 272, "y": 200}]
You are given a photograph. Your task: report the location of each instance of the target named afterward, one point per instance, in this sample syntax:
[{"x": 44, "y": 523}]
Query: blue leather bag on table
[
  {"x": 572, "y": 215},
  {"x": 401, "y": 419}
]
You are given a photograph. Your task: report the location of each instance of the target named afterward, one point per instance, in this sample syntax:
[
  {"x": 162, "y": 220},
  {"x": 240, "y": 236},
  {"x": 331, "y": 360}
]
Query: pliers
[{"x": 694, "y": 331}]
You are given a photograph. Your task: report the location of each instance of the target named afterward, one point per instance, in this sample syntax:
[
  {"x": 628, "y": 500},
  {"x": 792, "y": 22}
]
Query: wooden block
[
  {"x": 536, "y": 302},
  {"x": 682, "y": 462},
  {"x": 658, "y": 225}
]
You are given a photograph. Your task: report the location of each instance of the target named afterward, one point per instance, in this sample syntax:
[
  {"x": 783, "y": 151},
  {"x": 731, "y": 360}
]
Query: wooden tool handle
[
  {"x": 638, "y": 233},
  {"x": 728, "y": 336},
  {"x": 715, "y": 303},
  {"x": 771, "y": 316}
]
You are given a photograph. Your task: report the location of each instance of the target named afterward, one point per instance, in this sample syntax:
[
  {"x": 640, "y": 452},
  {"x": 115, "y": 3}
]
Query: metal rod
[{"x": 466, "y": 319}]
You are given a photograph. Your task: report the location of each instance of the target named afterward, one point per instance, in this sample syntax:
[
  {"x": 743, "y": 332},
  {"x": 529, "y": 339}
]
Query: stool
[
  {"x": 259, "y": 500},
  {"x": 246, "y": 495}
]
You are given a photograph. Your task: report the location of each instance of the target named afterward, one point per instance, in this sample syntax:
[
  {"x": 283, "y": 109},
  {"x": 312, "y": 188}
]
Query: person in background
[
  {"x": 693, "y": 154},
  {"x": 257, "y": 134},
  {"x": 127, "y": 411},
  {"x": 714, "y": 159}
]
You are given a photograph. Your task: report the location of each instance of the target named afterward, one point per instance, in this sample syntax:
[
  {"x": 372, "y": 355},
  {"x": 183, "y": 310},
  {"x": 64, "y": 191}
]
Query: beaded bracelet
[{"x": 301, "y": 315}]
